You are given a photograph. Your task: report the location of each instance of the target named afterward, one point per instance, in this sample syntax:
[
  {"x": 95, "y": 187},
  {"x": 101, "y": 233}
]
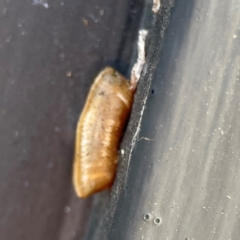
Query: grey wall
[{"x": 40, "y": 105}]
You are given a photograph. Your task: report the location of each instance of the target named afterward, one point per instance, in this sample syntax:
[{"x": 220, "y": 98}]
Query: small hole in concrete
[
  {"x": 157, "y": 221},
  {"x": 147, "y": 217}
]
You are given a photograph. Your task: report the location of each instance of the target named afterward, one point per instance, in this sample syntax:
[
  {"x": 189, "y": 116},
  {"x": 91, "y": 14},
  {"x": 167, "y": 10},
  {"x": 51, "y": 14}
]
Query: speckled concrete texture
[{"x": 183, "y": 176}]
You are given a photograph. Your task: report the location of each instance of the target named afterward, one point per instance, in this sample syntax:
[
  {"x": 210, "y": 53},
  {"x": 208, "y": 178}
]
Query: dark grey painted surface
[
  {"x": 187, "y": 171},
  {"x": 185, "y": 167},
  {"x": 40, "y": 104}
]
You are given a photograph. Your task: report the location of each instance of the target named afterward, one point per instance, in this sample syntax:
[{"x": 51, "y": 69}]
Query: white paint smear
[
  {"x": 138, "y": 66},
  {"x": 156, "y": 6}
]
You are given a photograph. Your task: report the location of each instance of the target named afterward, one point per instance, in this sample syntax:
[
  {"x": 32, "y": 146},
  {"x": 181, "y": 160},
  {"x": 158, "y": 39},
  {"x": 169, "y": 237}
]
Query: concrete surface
[{"x": 185, "y": 168}]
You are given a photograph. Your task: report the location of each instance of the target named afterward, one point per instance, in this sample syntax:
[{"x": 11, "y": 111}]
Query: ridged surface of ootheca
[{"x": 99, "y": 131}]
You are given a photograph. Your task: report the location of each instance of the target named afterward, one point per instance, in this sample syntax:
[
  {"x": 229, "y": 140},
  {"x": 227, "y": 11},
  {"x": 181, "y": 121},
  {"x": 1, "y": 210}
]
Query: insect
[{"x": 99, "y": 131}]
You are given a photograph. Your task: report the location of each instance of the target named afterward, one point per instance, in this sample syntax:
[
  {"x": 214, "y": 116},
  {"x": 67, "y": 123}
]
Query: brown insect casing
[{"x": 99, "y": 131}]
